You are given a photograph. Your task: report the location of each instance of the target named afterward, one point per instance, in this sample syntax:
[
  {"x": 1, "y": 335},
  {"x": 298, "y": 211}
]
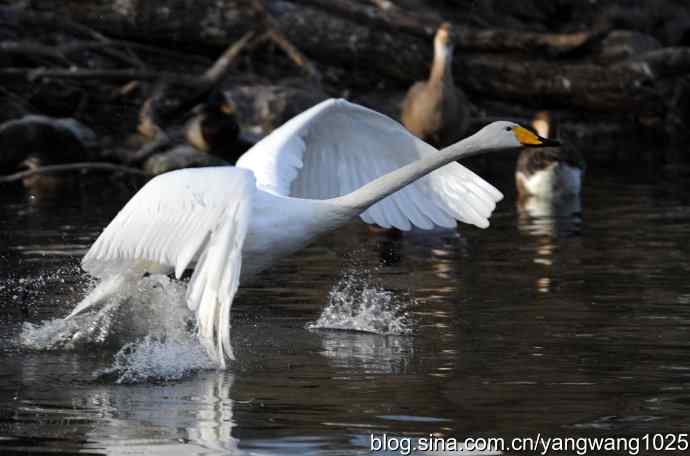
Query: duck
[
  {"x": 166, "y": 120},
  {"x": 548, "y": 172},
  {"x": 214, "y": 128},
  {"x": 323, "y": 168},
  {"x": 38, "y": 183},
  {"x": 42, "y": 141},
  {"x": 436, "y": 110}
]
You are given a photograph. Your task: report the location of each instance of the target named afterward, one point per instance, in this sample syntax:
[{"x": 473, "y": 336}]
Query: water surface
[{"x": 560, "y": 326}]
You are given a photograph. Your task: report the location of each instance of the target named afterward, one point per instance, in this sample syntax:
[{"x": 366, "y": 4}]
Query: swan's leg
[{"x": 114, "y": 283}]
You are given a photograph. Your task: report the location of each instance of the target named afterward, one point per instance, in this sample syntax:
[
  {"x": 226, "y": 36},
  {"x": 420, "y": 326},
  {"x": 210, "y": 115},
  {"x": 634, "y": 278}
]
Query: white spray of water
[
  {"x": 148, "y": 319},
  {"x": 153, "y": 359},
  {"x": 356, "y": 303}
]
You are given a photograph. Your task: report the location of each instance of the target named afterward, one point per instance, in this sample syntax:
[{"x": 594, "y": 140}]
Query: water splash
[
  {"x": 20, "y": 293},
  {"x": 148, "y": 319},
  {"x": 152, "y": 359},
  {"x": 357, "y": 303}
]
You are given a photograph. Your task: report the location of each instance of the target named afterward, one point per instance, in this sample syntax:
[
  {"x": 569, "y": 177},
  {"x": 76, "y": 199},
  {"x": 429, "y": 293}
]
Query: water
[{"x": 575, "y": 326}]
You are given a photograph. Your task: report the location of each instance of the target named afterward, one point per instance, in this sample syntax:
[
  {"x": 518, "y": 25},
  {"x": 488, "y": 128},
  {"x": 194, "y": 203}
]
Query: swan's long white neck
[{"x": 376, "y": 190}]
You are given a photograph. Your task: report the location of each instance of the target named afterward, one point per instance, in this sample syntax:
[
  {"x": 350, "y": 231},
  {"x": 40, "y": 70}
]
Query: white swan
[{"x": 324, "y": 167}]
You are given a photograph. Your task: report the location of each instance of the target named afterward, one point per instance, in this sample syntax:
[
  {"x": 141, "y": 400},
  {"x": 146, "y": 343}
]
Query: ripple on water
[{"x": 356, "y": 303}]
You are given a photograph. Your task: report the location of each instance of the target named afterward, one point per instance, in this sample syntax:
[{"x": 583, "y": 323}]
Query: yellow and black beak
[{"x": 530, "y": 139}]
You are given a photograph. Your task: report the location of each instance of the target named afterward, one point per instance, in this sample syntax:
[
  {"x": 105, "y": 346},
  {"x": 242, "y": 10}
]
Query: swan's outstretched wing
[
  {"x": 336, "y": 147},
  {"x": 177, "y": 218}
]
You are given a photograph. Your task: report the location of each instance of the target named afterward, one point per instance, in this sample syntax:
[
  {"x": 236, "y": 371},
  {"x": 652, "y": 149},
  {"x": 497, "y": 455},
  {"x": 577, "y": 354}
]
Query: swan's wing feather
[
  {"x": 177, "y": 218},
  {"x": 216, "y": 278},
  {"x": 336, "y": 147}
]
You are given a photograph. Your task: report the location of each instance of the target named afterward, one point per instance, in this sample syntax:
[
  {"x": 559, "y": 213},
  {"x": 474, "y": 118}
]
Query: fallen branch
[
  {"x": 34, "y": 49},
  {"x": 132, "y": 45},
  {"x": 664, "y": 62},
  {"x": 271, "y": 28},
  {"x": 29, "y": 20},
  {"x": 585, "y": 86},
  {"x": 489, "y": 40},
  {"x": 215, "y": 74},
  {"x": 384, "y": 5},
  {"x": 102, "y": 47},
  {"x": 82, "y": 166},
  {"x": 390, "y": 19},
  {"x": 294, "y": 54},
  {"x": 110, "y": 75}
]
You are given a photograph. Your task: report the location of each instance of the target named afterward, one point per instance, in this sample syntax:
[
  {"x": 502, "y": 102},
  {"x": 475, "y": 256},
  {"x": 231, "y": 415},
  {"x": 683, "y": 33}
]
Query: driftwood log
[
  {"x": 537, "y": 68},
  {"x": 584, "y": 69}
]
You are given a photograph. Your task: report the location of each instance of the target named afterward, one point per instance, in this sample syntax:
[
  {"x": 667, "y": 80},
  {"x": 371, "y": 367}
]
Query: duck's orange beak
[{"x": 227, "y": 108}]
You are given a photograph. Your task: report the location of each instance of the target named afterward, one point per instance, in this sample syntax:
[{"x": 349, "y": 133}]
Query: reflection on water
[
  {"x": 367, "y": 353},
  {"x": 547, "y": 219},
  {"x": 550, "y": 217},
  {"x": 546, "y": 322},
  {"x": 190, "y": 417}
]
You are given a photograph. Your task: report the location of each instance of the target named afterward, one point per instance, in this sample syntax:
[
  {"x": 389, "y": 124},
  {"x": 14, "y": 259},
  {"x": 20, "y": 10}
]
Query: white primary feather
[
  {"x": 177, "y": 218},
  {"x": 336, "y": 147}
]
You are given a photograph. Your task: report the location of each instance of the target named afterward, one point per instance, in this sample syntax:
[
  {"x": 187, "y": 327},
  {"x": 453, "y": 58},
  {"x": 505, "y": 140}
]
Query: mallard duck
[
  {"x": 214, "y": 128},
  {"x": 436, "y": 110},
  {"x": 548, "y": 172}
]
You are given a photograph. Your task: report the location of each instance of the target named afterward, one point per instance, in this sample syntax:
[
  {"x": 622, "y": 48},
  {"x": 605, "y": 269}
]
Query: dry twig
[{"x": 82, "y": 166}]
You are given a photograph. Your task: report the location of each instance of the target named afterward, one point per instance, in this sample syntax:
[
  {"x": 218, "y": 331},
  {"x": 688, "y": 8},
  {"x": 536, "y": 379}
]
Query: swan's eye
[{"x": 509, "y": 128}]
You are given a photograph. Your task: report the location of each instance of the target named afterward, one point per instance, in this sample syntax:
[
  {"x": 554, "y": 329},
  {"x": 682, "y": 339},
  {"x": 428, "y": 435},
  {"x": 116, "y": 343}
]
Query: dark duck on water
[{"x": 548, "y": 172}]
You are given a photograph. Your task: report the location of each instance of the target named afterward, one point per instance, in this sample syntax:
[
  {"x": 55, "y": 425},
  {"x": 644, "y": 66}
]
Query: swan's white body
[
  {"x": 324, "y": 167},
  {"x": 281, "y": 226}
]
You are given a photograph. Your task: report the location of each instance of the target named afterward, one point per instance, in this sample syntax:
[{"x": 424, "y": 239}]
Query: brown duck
[{"x": 435, "y": 110}]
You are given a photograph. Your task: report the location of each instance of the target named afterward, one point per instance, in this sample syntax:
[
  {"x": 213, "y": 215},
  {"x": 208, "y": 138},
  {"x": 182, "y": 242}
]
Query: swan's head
[{"x": 508, "y": 135}]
